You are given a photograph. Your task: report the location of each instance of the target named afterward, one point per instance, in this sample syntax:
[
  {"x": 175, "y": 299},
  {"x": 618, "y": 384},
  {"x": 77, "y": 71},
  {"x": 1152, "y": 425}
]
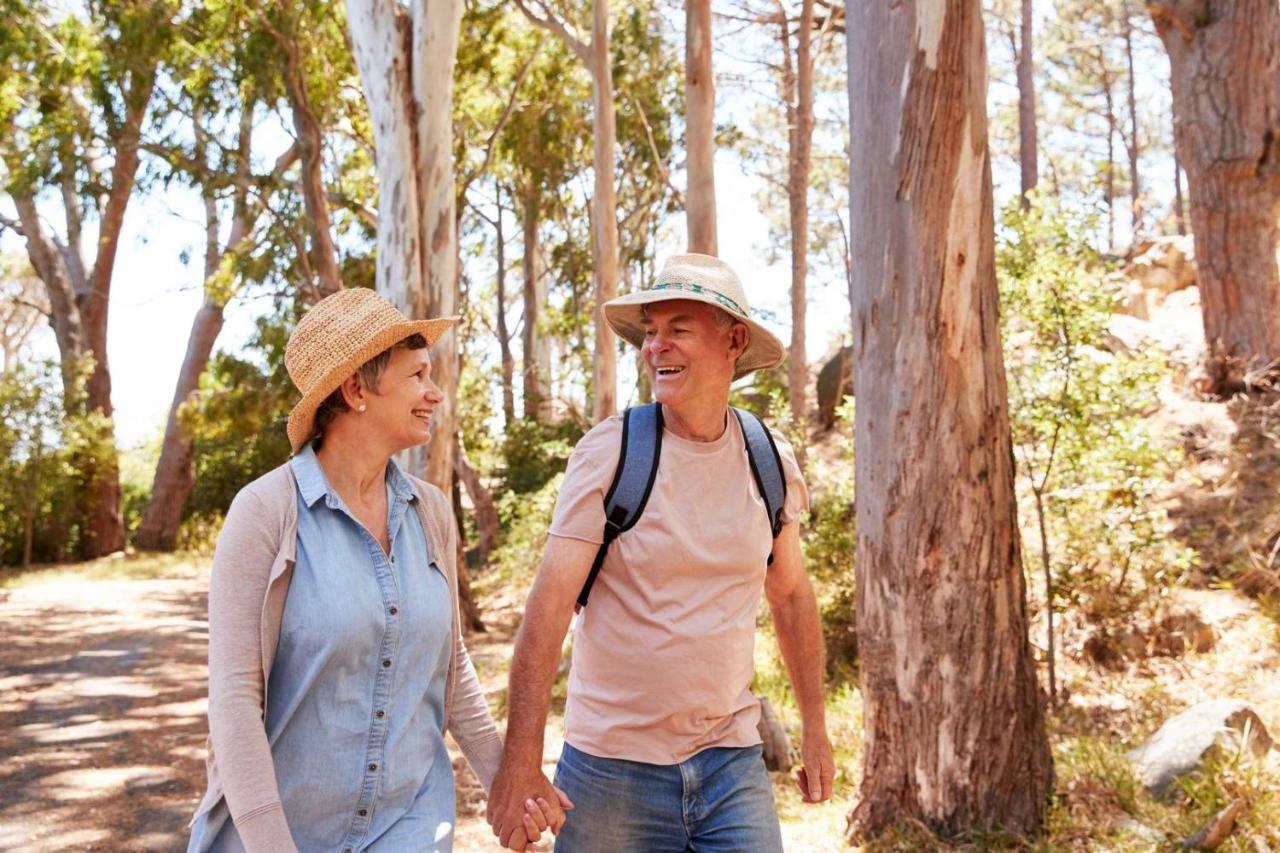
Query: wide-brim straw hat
[
  {"x": 700, "y": 278},
  {"x": 335, "y": 338}
]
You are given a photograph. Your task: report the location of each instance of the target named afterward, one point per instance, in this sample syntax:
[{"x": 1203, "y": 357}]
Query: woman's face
[{"x": 399, "y": 411}]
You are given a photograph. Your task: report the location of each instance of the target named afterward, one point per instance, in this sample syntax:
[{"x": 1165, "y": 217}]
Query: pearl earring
[{"x": 362, "y": 407}]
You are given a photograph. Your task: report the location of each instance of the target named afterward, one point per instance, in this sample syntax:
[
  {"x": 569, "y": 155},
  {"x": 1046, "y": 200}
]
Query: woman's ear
[{"x": 353, "y": 392}]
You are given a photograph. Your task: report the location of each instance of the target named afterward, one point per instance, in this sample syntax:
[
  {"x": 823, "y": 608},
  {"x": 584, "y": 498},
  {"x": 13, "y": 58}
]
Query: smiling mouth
[
  {"x": 668, "y": 371},
  {"x": 424, "y": 415}
]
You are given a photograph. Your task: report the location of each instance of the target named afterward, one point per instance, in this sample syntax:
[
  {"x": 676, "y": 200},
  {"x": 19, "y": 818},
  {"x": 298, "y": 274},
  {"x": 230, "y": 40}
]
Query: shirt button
[
  {"x": 393, "y": 558},
  {"x": 362, "y": 812},
  {"x": 372, "y": 767},
  {"x": 393, "y": 611},
  {"x": 346, "y": 850},
  {"x": 380, "y": 714},
  {"x": 386, "y": 663}
]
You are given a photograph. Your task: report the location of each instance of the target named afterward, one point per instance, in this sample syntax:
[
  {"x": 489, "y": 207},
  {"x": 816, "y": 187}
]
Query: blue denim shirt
[{"x": 355, "y": 705}]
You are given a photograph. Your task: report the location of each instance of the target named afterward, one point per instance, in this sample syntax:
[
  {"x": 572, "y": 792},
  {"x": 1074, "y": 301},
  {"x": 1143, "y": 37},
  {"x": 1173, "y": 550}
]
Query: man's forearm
[
  {"x": 799, "y": 628},
  {"x": 533, "y": 669}
]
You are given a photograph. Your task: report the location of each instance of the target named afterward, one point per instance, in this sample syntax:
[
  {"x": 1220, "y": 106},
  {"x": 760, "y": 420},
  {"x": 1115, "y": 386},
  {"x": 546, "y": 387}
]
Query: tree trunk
[
  {"x": 471, "y": 620},
  {"x": 1110, "y": 183},
  {"x": 700, "y": 126},
  {"x": 504, "y": 334},
  {"x": 1135, "y": 149},
  {"x": 954, "y": 721},
  {"x": 323, "y": 254},
  {"x": 604, "y": 384},
  {"x": 1179, "y": 214},
  {"x": 536, "y": 366},
  {"x": 798, "y": 80},
  {"x": 486, "y": 511},
  {"x": 1028, "y": 146},
  {"x": 175, "y": 472},
  {"x": 436, "y": 29},
  {"x": 406, "y": 60},
  {"x": 1225, "y": 59}
]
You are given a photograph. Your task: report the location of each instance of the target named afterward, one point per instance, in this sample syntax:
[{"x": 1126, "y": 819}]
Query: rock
[
  {"x": 1216, "y": 831},
  {"x": 777, "y": 745},
  {"x": 1182, "y": 744},
  {"x": 1164, "y": 265},
  {"x": 1179, "y": 632},
  {"x": 835, "y": 382}
]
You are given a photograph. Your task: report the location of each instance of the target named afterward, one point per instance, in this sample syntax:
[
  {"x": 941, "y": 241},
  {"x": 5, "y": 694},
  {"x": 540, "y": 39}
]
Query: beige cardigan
[{"x": 248, "y": 585}]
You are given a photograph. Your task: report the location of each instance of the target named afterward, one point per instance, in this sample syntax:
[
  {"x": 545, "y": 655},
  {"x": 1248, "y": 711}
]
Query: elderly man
[{"x": 661, "y": 744}]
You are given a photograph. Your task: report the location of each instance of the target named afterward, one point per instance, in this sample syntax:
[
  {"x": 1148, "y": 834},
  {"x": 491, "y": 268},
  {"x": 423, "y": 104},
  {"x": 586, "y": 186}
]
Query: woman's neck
[{"x": 355, "y": 470}]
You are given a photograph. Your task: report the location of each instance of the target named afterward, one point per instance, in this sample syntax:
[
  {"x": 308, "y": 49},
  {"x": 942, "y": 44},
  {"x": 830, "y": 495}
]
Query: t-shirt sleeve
[
  {"x": 797, "y": 502},
  {"x": 579, "y": 512}
]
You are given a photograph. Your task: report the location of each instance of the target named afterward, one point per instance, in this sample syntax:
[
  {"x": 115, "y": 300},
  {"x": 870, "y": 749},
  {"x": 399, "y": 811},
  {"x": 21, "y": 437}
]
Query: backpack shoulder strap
[
  {"x": 632, "y": 481},
  {"x": 766, "y": 467}
]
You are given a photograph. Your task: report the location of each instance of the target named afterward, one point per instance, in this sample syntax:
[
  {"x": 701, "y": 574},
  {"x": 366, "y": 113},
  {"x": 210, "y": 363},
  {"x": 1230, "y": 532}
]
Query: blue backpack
[{"x": 638, "y": 468}]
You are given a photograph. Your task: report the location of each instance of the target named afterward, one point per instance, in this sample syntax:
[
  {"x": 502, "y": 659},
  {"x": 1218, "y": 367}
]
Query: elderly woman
[{"x": 336, "y": 661}]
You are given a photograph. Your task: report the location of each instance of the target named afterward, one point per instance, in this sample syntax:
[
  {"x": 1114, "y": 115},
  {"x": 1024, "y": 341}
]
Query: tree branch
[
  {"x": 653, "y": 147},
  {"x": 480, "y": 170},
  {"x": 554, "y": 25}
]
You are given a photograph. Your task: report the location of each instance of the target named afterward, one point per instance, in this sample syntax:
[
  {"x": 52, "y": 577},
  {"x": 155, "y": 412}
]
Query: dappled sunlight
[{"x": 102, "y": 709}]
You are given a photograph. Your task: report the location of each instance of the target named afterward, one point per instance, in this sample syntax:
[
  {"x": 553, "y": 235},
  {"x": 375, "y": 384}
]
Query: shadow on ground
[{"x": 102, "y": 714}]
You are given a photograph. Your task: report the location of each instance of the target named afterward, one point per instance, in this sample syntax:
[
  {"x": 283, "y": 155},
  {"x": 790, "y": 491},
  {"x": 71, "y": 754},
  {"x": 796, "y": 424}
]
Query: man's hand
[
  {"x": 815, "y": 778},
  {"x": 522, "y": 803}
]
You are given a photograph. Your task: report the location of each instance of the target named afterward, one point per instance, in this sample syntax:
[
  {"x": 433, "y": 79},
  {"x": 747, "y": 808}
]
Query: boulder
[
  {"x": 1185, "y": 741},
  {"x": 835, "y": 382},
  {"x": 1164, "y": 265}
]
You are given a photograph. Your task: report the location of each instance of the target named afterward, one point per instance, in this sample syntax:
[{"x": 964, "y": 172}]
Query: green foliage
[
  {"x": 829, "y": 547},
  {"x": 525, "y": 519},
  {"x": 238, "y": 420},
  {"x": 48, "y": 449},
  {"x": 535, "y": 453},
  {"x": 1088, "y": 464}
]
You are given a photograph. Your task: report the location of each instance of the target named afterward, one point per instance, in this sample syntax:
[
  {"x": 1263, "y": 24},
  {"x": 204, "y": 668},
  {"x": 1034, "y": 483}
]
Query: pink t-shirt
[{"x": 663, "y": 653}]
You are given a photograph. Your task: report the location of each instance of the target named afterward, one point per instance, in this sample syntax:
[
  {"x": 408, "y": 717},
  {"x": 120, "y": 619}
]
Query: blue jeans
[{"x": 719, "y": 800}]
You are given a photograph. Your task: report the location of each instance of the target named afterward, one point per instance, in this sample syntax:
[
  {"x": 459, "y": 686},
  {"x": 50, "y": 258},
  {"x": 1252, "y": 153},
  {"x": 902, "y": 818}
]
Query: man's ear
[
  {"x": 353, "y": 392},
  {"x": 739, "y": 336}
]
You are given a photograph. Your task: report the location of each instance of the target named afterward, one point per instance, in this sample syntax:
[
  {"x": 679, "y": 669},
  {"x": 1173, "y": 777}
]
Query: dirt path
[
  {"x": 102, "y": 703},
  {"x": 102, "y": 715}
]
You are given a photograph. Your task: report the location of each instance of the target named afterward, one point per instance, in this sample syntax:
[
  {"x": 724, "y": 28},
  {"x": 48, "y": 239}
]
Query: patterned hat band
[{"x": 702, "y": 291}]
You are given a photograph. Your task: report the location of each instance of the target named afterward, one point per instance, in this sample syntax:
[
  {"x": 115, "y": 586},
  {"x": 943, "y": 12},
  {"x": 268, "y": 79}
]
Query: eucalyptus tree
[
  {"x": 593, "y": 52},
  {"x": 954, "y": 733},
  {"x": 1226, "y": 107},
  {"x": 76, "y": 93}
]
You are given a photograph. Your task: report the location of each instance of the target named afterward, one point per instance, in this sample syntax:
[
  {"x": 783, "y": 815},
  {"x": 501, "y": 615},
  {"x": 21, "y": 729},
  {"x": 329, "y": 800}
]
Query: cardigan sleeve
[
  {"x": 247, "y": 549},
  {"x": 470, "y": 722}
]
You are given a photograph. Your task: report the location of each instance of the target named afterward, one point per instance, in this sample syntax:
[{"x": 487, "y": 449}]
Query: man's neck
[{"x": 701, "y": 423}]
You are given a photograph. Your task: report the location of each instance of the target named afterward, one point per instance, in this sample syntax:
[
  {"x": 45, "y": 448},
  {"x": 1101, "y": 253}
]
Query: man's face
[
  {"x": 688, "y": 353},
  {"x": 400, "y": 409}
]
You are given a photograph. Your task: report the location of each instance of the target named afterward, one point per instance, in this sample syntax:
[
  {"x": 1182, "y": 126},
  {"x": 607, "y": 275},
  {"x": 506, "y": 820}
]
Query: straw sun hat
[
  {"x": 333, "y": 339},
  {"x": 700, "y": 278}
]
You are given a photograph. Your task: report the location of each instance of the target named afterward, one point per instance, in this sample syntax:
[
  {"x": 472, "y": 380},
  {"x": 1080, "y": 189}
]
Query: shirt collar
[{"x": 313, "y": 486}]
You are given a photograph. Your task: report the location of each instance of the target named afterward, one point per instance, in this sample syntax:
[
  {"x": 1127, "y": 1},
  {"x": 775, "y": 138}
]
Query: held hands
[
  {"x": 522, "y": 805},
  {"x": 814, "y": 779}
]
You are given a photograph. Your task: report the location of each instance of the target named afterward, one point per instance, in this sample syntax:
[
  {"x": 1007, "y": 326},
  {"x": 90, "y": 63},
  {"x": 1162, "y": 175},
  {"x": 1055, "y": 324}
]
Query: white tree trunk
[
  {"x": 700, "y": 104},
  {"x": 436, "y": 28},
  {"x": 605, "y": 368},
  {"x": 406, "y": 65}
]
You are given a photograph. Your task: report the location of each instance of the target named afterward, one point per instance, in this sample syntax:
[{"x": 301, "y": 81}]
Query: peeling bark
[
  {"x": 406, "y": 59},
  {"x": 1225, "y": 57},
  {"x": 954, "y": 720}
]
